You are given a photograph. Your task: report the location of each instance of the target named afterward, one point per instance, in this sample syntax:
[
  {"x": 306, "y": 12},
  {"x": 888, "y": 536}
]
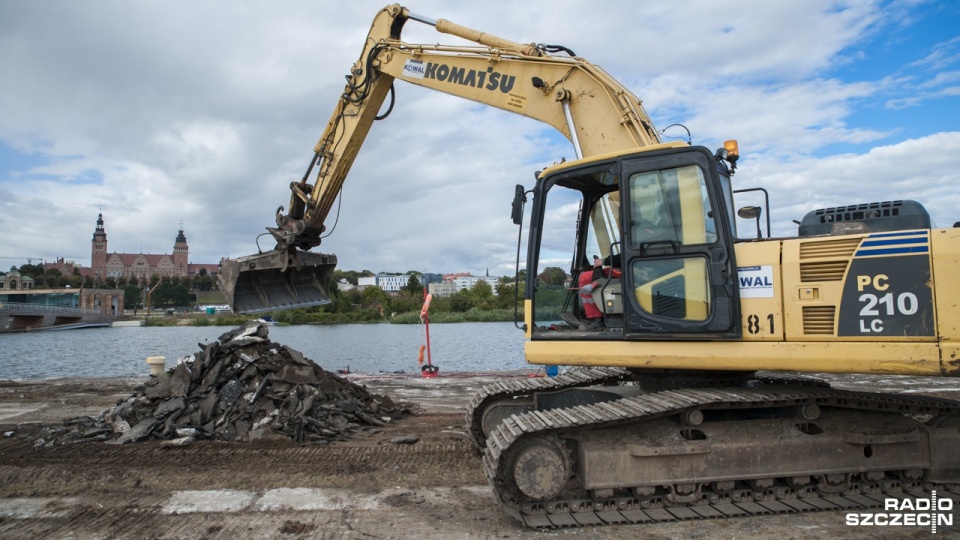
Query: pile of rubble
[{"x": 242, "y": 387}]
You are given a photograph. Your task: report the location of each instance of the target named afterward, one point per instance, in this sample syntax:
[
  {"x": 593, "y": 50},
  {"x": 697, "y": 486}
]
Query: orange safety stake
[{"x": 429, "y": 370}]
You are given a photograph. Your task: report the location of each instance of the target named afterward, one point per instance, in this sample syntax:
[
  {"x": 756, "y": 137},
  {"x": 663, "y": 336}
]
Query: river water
[{"x": 368, "y": 348}]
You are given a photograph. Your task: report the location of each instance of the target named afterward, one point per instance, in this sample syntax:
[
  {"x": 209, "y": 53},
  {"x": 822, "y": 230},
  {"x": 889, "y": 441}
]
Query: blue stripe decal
[
  {"x": 892, "y": 251},
  {"x": 894, "y": 242},
  {"x": 911, "y": 233}
]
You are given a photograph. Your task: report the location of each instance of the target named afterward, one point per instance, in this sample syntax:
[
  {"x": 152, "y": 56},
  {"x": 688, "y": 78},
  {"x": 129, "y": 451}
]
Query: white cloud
[
  {"x": 919, "y": 169},
  {"x": 204, "y": 113}
]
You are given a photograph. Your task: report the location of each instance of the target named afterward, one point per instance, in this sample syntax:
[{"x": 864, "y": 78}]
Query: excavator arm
[{"x": 590, "y": 108}]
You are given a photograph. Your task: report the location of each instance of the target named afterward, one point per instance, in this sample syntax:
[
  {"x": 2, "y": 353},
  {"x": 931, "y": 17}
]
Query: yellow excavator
[{"x": 689, "y": 344}]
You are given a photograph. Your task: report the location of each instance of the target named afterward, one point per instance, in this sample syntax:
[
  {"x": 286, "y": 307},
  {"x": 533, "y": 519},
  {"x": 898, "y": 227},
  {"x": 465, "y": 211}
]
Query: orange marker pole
[{"x": 429, "y": 370}]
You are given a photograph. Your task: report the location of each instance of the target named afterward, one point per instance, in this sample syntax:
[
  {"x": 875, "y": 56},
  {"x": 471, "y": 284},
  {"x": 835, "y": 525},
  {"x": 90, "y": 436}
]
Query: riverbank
[{"x": 366, "y": 487}]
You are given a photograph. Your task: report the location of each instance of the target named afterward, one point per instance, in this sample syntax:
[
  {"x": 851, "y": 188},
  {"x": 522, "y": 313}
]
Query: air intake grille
[
  {"x": 822, "y": 271},
  {"x": 860, "y": 212},
  {"x": 818, "y": 320},
  {"x": 826, "y": 270}
]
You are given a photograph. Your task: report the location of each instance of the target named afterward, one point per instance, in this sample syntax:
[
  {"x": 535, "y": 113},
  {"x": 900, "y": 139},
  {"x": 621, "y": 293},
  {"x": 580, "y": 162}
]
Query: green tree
[
  {"x": 347, "y": 301},
  {"x": 413, "y": 285},
  {"x": 507, "y": 295},
  {"x": 203, "y": 282},
  {"x": 482, "y": 295},
  {"x": 375, "y": 298},
  {"x": 460, "y": 302},
  {"x": 171, "y": 292},
  {"x": 481, "y": 289},
  {"x": 76, "y": 280},
  {"x": 32, "y": 270},
  {"x": 132, "y": 296},
  {"x": 53, "y": 279},
  {"x": 350, "y": 275},
  {"x": 552, "y": 275},
  {"x": 406, "y": 301}
]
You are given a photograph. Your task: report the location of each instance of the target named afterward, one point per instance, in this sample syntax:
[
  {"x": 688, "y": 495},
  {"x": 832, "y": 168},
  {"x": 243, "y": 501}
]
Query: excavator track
[
  {"x": 507, "y": 390},
  {"x": 824, "y": 490}
]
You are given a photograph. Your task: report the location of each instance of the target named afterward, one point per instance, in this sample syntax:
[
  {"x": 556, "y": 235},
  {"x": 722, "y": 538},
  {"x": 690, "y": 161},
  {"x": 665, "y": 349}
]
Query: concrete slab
[
  {"x": 312, "y": 499},
  {"x": 13, "y": 410},
  {"x": 221, "y": 500},
  {"x": 37, "y": 507}
]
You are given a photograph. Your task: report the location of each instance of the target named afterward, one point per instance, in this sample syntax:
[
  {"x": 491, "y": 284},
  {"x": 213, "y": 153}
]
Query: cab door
[{"x": 678, "y": 258}]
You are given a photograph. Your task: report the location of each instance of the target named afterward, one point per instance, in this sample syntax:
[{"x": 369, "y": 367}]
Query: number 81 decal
[{"x": 754, "y": 326}]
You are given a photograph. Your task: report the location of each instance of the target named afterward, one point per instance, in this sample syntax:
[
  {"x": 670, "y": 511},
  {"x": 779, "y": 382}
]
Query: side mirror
[
  {"x": 519, "y": 199},
  {"x": 749, "y": 212},
  {"x": 752, "y": 212}
]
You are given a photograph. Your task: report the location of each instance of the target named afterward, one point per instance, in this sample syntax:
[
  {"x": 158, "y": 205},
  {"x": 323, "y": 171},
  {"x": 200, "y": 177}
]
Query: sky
[{"x": 170, "y": 114}]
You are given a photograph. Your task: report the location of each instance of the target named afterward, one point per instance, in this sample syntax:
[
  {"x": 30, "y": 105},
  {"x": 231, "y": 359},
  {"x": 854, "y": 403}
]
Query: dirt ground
[{"x": 367, "y": 487}]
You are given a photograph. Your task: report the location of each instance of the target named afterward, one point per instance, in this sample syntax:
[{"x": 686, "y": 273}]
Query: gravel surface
[{"x": 417, "y": 477}]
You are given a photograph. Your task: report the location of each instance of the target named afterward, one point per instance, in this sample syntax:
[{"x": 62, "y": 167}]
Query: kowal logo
[
  {"x": 414, "y": 68},
  {"x": 930, "y": 512}
]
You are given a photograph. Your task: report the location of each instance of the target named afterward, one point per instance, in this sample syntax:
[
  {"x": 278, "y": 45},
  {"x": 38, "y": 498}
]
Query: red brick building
[{"x": 104, "y": 264}]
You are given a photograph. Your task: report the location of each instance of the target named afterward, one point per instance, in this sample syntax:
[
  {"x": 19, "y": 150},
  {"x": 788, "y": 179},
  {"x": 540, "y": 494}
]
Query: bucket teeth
[{"x": 276, "y": 280}]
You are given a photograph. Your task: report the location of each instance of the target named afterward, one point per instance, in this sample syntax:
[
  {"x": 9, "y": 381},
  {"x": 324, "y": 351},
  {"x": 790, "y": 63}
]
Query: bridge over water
[{"x": 58, "y": 309}]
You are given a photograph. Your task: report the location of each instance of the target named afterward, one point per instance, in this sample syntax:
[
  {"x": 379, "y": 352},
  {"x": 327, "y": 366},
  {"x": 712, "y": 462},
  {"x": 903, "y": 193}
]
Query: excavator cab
[
  {"x": 661, "y": 216},
  {"x": 278, "y": 279}
]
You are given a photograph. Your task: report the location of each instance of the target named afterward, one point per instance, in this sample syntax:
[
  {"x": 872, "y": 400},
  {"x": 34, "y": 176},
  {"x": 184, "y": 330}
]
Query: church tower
[
  {"x": 98, "y": 250},
  {"x": 181, "y": 255}
]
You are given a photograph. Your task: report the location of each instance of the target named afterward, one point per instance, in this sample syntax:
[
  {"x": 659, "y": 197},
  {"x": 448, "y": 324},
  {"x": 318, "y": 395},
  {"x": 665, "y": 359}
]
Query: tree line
[
  {"x": 350, "y": 305},
  {"x": 373, "y": 304}
]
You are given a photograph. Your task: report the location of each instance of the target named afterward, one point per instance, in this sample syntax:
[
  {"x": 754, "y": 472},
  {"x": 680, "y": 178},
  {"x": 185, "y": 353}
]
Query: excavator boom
[{"x": 594, "y": 111}]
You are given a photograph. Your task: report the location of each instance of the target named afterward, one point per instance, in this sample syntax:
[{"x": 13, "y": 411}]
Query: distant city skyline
[{"x": 101, "y": 260}]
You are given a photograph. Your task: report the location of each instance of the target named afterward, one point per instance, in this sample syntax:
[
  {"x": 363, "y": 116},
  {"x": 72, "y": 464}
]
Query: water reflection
[{"x": 121, "y": 352}]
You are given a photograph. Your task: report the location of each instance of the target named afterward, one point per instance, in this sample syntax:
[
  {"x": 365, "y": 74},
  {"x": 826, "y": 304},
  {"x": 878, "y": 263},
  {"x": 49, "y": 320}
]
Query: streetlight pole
[{"x": 149, "y": 292}]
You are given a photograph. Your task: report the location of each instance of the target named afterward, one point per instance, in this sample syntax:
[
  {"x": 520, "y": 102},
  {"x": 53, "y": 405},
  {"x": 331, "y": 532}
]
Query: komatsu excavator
[{"x": 687, "y": 397}]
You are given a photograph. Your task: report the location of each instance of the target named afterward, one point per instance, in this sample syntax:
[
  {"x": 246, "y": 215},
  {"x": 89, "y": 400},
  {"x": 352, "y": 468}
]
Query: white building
[
  {"x": 468, "y": 282},
  {"x": 387, "y": 283},
  {"x": 459, "y": 282},
  {"x": 343, "y": 285},
  {"x": 443, "y": 289},
  {"x": 392, "y": 283}
]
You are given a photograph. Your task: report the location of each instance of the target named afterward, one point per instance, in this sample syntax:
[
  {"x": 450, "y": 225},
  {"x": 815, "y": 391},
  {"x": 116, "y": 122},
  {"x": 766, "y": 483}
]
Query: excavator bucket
[{"x": 276, "y": 280}]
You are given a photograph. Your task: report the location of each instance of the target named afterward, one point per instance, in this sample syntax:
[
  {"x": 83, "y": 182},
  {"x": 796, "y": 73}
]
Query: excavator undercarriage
[{"x": 564, "y": 453}]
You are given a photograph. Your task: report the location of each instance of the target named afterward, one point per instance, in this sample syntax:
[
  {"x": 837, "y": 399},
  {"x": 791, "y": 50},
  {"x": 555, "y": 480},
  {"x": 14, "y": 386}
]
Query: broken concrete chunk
[
  {"x": 244, "y": 341},
  {"x": 206, "y": 407},
  {"x": 231, "y": 391},
  {"x": 180, "y": 441},
  {"x": 169, "y": 406},
  {"x": 409, "y": 439},
  {"x": 296, "y": 356},
  {"x": 121, "y": 426},
  {"x": 242, "y": 387},
  {"x": 296, "y": 374},
  {"x": 137, "y": 432}
]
